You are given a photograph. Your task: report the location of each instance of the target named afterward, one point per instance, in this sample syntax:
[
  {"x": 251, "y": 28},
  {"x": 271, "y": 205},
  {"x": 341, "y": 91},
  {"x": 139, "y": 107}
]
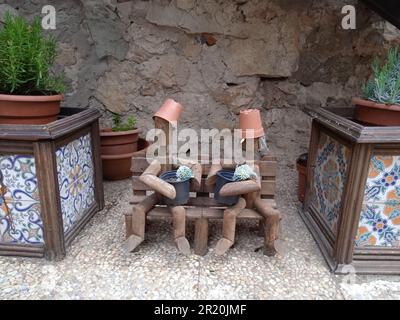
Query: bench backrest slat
[{"x": 268, "y": 170}]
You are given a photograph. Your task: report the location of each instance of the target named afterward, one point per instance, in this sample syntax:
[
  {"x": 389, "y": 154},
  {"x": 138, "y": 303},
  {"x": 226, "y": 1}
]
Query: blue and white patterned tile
[
  {"x": 76, "y": 180},
  {"x": 20, "y": 219},
  {"x": 380, "y": 216},
  {"x": 329, "y": 179}
]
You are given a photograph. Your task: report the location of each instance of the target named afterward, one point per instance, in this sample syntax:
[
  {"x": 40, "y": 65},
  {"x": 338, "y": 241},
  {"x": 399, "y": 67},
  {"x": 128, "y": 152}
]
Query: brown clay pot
[
  {"x": 302, "y": 170},
  {"x": 17, "y": 109},
  {"x": 379, "y": 114},
  {"x": 250, "y": 122},
  {"x": 117, "y": 149},
  {"x": 170, "y": 111}
]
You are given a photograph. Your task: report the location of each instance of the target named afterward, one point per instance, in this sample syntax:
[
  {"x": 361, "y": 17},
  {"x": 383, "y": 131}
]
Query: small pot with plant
[
  {"x": 381, "y": 94},
  {"x": 241, "y": 173},
  {"x": 180, "y": 179},
  {"x": 29, "y": 92},
  {"x": 118, "y": 145}
]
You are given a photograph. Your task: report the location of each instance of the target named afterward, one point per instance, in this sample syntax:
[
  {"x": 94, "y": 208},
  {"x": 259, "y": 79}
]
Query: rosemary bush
[
  {"x": 26, "y": 59},
  {"x": 384, "y": 86},
  {"x": 119, "y": 125}
]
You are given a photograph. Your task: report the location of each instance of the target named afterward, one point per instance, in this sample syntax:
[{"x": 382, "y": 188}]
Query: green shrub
[
  {"x": 26, "y": 59},
  {"x": 384, "y": 86},
  {"x": 119, "y": 125}
]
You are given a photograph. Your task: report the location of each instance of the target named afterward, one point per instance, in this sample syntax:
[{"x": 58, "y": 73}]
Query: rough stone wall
[{"x": 216, "y": 57}]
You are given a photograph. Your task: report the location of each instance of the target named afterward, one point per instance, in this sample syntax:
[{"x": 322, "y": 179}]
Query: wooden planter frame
[
  {"x": 339, "y": 250},
  {"x": 42, "y": 141}
]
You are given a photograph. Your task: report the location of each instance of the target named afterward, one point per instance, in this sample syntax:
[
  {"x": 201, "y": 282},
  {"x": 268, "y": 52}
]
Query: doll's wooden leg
[
  {"x": 139, "y": 222},
  {"x": 272, "y": 221},
  {"x": 229, "y": 227},
  {"x": 179, "y": 223}
]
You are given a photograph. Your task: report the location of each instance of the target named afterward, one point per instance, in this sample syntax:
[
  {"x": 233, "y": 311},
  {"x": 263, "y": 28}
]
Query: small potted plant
[
  {"x": 180, "y": 179},
  {"x": 241, "y": 173},
  {"x": 118, "y": 145},
  {"x": 29, "y": 92},
  {"x": 381, "y": 94}
]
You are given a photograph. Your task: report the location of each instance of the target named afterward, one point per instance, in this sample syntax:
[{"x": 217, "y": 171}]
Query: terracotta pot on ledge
[
  {"x": 117, "y": 149},
  {"x": 19, "y": 109},
  {"x": 378, "y": 114}
]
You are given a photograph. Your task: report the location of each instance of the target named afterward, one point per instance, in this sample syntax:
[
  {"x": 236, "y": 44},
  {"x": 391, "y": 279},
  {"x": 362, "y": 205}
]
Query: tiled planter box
[
  {"x": 50, "y": 183},
  {"x": 352, "y": 204}
]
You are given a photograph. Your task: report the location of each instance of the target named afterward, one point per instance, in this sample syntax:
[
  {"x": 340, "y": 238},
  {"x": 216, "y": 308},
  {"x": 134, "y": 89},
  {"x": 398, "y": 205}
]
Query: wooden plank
[
  {"x": 50, "y": 206},
  {"x": 201, "y": 202},
  {"x": 201, "y": 237},
  {"x": 196, "y": 213},
  {"x": 97, "y": 163}
]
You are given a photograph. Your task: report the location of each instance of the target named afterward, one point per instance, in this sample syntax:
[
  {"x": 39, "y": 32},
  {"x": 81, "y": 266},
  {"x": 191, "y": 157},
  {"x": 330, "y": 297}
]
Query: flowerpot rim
[
  {"x": 220, "y": 172},
  {"x": 117, "y": 156},
  {"x": 376, "y": 105},
  {"x": 172, "y": 171},
  {"x": 107, "y": 132},
  {"x": 28, "y": 98}
]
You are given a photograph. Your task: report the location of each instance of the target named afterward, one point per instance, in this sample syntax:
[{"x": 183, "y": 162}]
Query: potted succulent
[
  {"x": 118, "y": 145},
  {"x": 241, "y": 173},
  {"x": 29, "y": 92},
  {"x": 381, "y": 102},
  {"x": 180, "y": 179}
]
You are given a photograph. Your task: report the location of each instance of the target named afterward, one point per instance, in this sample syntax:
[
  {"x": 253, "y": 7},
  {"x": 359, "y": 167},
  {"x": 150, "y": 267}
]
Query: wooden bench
[{"x": 201, "y": 206}]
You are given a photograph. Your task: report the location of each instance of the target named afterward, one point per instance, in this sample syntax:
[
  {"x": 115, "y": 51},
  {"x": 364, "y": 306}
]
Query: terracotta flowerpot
[
  {"x": 17, "y": 109},
  {"x": 170, "y": 111},
  {"x": 302, "y": 170},
  {"x": 117, "y": 149},
  {"x": 378, "y": 114},
  {"x": 251, "y": 124}
]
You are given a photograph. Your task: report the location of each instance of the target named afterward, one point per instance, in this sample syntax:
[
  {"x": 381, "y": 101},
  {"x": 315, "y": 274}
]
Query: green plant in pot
[
  {"x": 29, "y": 92},
  {"x": 118, "y": 145},
  {"x": 381, "y": 94}
]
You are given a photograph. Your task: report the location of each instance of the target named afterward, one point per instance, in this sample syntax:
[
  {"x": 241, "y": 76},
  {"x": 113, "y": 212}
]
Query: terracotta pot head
[
  {"x": 251, "y": 124},
  {"x": 170, "y": 111}
]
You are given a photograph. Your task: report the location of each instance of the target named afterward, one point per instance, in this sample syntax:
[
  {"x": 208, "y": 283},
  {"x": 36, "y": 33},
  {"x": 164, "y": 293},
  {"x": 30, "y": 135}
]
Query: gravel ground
[{"x": 96, "y": 266}]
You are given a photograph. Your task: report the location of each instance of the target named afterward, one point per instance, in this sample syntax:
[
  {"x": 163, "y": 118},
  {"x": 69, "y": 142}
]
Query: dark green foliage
[
  {"x": 26, "y": 59},
  {"x": 384, "y": 86},
  {"x": 118, "y": 125}
]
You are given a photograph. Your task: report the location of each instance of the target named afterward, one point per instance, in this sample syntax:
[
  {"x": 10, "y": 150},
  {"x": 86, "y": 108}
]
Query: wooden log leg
[
  {"x": 201, "y": 236},
  {"x": 138, "y": 222},
  {"x": 179, "y": 222},
  {"x": 272, "y": 219},
  {"x": 229, "y": 227}
]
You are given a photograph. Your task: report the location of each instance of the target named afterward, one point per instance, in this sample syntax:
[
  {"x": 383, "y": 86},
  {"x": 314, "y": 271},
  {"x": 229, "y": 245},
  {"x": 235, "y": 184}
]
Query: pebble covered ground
[{"x": 97, "y": 267}]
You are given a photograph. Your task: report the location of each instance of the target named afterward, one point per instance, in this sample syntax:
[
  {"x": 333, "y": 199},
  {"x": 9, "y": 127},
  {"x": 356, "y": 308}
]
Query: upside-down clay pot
[
  {"x": 378, "y": 114},
  {"x": 302, "y": 170},
  {"x": 18, "y": 109},
  {"x": 117, "y": 150},
  {"x": 170, "y": 111},
  {"x": 251, "y": 124}
]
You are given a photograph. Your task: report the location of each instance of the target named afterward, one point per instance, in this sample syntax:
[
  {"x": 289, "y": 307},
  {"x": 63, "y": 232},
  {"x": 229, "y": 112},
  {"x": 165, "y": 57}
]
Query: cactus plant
[
  {"x": 184, "y": 173},
  {"x": 244, "y": 172}
]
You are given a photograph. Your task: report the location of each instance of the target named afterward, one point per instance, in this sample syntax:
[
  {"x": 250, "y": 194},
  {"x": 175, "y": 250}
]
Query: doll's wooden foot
[
  {"x": 183, "y": 245},
  {"x": 223, "y": 246},
  {"x": 132, "y": 243}
]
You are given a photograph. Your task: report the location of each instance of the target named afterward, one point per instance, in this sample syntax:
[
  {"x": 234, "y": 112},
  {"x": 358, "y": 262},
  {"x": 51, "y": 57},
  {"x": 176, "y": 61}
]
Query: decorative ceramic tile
[
  {"x": 329, "y": 178},
  {"x": 380, "y": 216},
  {"x": 76, "y": 180},
  {"x": 20, "y": 220}
]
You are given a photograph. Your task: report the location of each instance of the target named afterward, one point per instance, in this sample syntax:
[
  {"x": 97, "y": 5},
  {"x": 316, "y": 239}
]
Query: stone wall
[{"x": 216, "y": 57}]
